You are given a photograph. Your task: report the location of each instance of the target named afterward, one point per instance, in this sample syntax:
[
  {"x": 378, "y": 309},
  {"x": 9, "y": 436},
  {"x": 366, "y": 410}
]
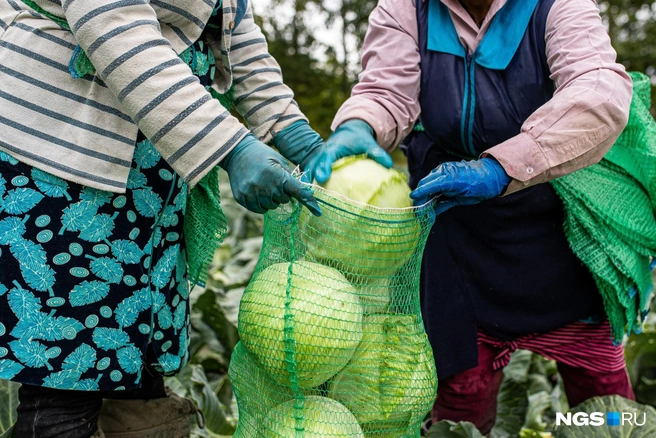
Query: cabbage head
[
  {"x": 320, "y": 417},
  {"x": 359, "y": 238},
  {"x": 390, "y": 384},
  {"x": 322, "y": 321},
  {"x": 376, "y": 296},
  {"x": 363, "y": 180}
]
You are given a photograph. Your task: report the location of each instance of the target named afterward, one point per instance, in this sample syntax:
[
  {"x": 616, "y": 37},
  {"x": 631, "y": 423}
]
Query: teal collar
[{"x": 500, "y": 42}]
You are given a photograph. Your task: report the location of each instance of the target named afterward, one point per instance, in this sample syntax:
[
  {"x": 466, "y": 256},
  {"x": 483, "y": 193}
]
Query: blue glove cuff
[
  {"x": 502, "y": 178},
  {"x": 245, "y": 142},
  {"x": 297, "y": 141}
]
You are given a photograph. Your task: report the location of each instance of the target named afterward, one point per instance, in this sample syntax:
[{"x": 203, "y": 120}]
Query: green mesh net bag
[
  {"x": 332, "y": 339},
  {"x": 205, "y": 226},
  {"x": 205, "y": 222},
  {"x": 610, "y": 217}
]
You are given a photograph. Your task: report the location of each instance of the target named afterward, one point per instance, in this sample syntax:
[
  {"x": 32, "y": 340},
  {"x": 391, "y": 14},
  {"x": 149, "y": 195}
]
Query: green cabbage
[
  {"x": 375, "y": 296},
  {"x": 320, "y": 417},
  {"x": 391, "y": 382},
  {"x": 324, "y": 319},
  {"x": 363, "y": 180},
  {"x": 364, "y": 243}
]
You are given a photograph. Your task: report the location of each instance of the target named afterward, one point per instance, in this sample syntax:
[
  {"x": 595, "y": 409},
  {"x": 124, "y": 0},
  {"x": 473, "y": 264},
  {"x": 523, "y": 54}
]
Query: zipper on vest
[{"x": 468, "y": 105}]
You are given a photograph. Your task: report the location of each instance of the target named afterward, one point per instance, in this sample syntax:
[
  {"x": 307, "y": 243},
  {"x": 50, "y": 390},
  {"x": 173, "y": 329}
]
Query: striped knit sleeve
[
  {"x": 124, "y": 42},
  {"x": 261, "y": 97}
]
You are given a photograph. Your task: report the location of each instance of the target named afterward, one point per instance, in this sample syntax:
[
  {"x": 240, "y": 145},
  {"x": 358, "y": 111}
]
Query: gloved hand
[
  {"x": 260, "y": 178},
  {"x": 299, "y": 143},
  {"x": 462, "y": 183},
  {"x": 353, "y": 137}
]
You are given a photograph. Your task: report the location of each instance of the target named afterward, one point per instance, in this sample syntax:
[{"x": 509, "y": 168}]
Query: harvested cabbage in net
[
  {"x": 390, "y": 378},
  {"x": 320, "y": 417},
  {"x": 364, "y": 250},
  {"x": 332, "y": 339},
  {"x": 376, "y": 295},
  {"x": 324, "y": 310},
  {"x": 363, "y": 180}
]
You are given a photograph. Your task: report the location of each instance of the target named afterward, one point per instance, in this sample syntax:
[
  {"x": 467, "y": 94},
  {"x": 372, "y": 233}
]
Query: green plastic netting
[
  {"x": 205, "y": 222},
  {"x": 609, "y": 216},
  {"x": 205, "y": 226},
  {"x": 332, "y": 339}
]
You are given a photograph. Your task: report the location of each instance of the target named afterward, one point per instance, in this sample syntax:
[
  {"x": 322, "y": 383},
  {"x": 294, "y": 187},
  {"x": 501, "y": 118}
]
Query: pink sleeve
[
  {"x": 387, "y": 93},
  {"x": 590, "y": 106}
]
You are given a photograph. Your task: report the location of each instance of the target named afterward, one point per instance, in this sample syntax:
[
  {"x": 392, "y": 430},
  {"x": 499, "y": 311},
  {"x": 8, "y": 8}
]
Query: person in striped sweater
[{"x": 107, "y": 120}]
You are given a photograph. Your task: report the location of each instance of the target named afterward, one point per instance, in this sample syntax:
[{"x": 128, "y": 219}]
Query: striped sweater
[{"x": 84, "y": 129}]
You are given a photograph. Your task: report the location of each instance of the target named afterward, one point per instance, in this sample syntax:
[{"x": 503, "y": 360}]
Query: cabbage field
[{"x": 529, "y": 399}]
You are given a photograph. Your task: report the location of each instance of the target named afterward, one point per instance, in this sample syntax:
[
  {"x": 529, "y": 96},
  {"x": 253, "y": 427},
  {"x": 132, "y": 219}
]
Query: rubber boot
[{"x": 168, "y": 417}]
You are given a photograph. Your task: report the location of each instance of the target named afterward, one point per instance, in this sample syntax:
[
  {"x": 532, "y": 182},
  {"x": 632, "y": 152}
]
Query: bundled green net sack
[
  {"x": 332, "y": 339},
  {"x": 610, "y": 216}
]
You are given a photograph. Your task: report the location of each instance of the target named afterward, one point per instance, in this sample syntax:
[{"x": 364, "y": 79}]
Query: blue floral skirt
[{"x": 91, "y": 280}]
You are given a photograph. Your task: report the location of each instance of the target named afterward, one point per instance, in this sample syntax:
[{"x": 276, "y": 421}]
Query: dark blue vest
[
  {"x": 504, "y": 265},
  {"x": 478, "y": 101}
]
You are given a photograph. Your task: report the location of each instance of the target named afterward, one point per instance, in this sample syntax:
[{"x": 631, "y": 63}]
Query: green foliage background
[{"x": 321, "y": 76}]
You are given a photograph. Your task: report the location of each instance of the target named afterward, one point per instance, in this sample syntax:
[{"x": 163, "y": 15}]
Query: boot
[{"x": 168, "y": 417}]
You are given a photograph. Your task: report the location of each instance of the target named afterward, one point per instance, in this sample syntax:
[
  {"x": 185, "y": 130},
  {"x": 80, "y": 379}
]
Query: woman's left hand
[{"x": 462, "y": 183}]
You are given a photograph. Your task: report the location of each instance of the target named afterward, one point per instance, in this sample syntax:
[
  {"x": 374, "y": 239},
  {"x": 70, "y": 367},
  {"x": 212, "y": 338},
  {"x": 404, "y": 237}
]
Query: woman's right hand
[{"x": 261, "y": 180}]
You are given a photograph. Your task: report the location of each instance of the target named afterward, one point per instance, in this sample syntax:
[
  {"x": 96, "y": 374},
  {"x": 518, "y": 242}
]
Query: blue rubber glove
[
  {"x": 260, "y": 178},
  {"x": 299, "y": 143},
  {"x": 462, "y": 183},
  {"x": 353, "y": 137}
]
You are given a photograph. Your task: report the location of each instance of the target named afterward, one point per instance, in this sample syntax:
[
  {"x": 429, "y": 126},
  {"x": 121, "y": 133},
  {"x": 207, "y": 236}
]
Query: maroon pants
[{"x": 472, "y": 395}]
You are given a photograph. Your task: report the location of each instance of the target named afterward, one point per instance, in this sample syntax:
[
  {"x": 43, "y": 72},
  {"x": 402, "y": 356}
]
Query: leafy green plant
[
  {"x": 641, "y": 360},
  {"x": 8, "y": 405},
  {"x": 529, "y": 398},
  {"x": 214, "y": 398},
  {"x": 530, "y": 395},
  {"x": 449, "y": 429}
]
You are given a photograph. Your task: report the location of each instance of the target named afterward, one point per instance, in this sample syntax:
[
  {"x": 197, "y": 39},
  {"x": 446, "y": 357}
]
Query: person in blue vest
[{"x": 510, "y": 94}]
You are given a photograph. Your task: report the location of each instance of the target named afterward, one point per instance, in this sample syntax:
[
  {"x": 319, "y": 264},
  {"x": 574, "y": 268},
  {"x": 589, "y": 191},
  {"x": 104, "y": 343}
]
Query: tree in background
[
  {"x": 323, "y": 73},
  {"x": 317, "y": 85},
  {"x": 632, "y": 28},
  {"x": 319, "y": 73}
]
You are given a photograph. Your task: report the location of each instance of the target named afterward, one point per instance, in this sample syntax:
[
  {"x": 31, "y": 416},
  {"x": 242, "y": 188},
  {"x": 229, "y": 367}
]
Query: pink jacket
[{"x": 573, "y": 130}]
